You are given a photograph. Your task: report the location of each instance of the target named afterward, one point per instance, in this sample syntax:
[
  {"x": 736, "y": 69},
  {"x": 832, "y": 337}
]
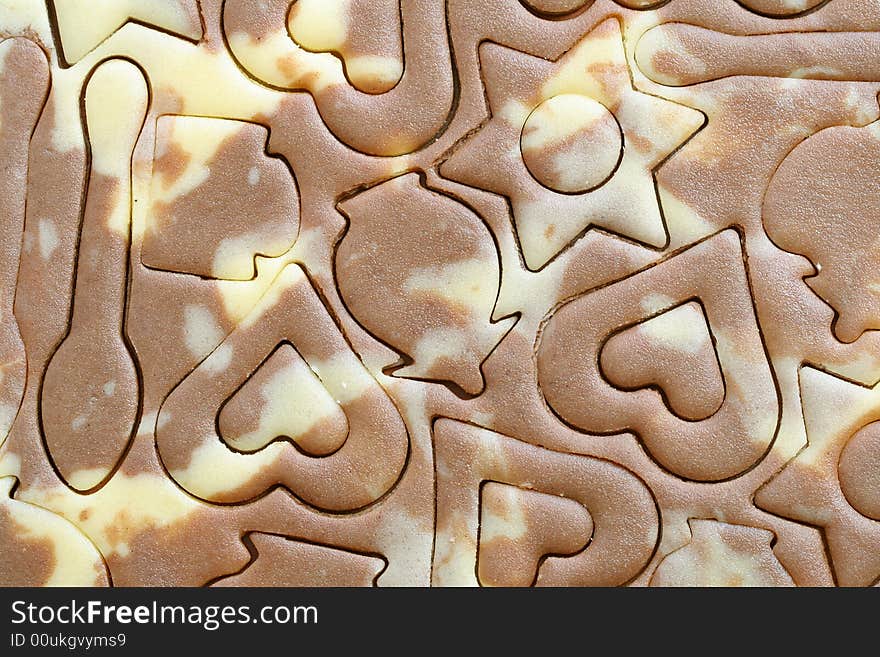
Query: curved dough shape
[
  {"x": 40, "y": 548},
  {"x": 362, "y": 470},
  {"x": 399, "y": 121}
]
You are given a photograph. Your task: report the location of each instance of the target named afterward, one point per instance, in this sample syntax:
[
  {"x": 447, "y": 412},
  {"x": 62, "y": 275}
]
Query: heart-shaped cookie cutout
[{"x": 674, "y": 352}]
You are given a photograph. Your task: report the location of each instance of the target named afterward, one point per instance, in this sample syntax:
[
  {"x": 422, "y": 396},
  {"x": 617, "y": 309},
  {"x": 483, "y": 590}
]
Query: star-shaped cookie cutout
[
  {"x": 572, "y": 144},
  {"x": 84, "y": 24},
  {"x": 832, "y": 483}
]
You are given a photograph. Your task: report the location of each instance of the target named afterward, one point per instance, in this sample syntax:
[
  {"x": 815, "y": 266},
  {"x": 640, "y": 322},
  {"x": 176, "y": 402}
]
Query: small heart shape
[
  {"x": 672, "y": 351},
  {"x": 283, "y": 397}
]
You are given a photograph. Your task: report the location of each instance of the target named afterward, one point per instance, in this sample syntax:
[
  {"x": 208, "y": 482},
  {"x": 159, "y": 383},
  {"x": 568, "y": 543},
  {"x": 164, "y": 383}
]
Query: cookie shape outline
[
  {"x": 520, "y": 527},
  {"x": 681, "y": 54},
  {"x": 714, "y": 272},
  {"x": 96, "y": 414},
  {"x": 716, "y": 179},
  {"x": 783, "y": 9},
  {"x": 624, "y": 513},
  {"x": 723, "y": 554},
  {"x": 808, "y": 488},
  {"x": 858, "y": 470},
  {"x": 291, "y": 403},
  {"x": 44, "y": 549},
  {"x": 81, "y": 30},
  {"x": 556, "y": 9},
  {"x": 828, "y": 220},
  {"x": 672, "y": 352},
  {"x": 24, "y": 89},
  {"x": 517, "y": 83},
  {"x": 400, "y": 121},
  {"x": 197, "y": 159},
  {"x": 203, "y": 465},
  {"x": 592, "y": 138},
  {"x": 437, "y": 306},
  {"x": 366, "y": 35},
  {"x": 288, "y": 561}
]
